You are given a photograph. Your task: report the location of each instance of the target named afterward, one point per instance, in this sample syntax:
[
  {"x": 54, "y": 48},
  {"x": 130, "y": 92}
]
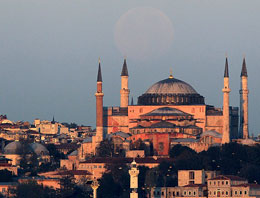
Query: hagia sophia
[{"x": 170, "y": 112}]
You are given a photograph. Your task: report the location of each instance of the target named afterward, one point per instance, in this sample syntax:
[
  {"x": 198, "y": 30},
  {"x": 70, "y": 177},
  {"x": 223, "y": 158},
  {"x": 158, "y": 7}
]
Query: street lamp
[{"x": 95, "y": 186}]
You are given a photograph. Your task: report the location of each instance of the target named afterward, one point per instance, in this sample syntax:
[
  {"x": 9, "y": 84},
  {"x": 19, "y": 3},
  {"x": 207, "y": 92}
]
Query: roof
[
  {"x": 124, "y": 69},
  {"x": 119, "y": 133},
  {"x": 163, "y": 124},
  {"x": 166, "y": 111},
  {"x": 195, "y": 185},
  {"x": 211, "y": 133},
  {"x": 13, "y": 148},
  {"x": 184, "y": 140},
  {"x": 118, "y": 160},
  {"x": 171, "y": 86},
  {"x": 248, "y": 185},
  {"x": 228, "y": 177},
  {"x": 72, "y": 146},
  {"x": 87, "y": 140},
  {"x": 74, "y": 172},
  {"x": 74, "y": 153},
  {"x": 39, "y": 149}
]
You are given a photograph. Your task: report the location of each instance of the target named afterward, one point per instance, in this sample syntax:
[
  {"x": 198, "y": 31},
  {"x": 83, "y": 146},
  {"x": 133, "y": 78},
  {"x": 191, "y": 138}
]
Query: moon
[{"x": 143, "y": 33}]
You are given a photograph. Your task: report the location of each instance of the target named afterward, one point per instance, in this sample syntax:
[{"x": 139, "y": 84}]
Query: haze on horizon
[{"x": 49, "y": 53}]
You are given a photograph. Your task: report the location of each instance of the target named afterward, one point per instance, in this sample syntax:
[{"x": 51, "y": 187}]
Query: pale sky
[{"x": 49, "y": 53}]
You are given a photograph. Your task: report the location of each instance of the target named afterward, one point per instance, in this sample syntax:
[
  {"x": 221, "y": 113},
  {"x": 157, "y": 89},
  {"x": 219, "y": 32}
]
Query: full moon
[{"x": 143, "y": 33}]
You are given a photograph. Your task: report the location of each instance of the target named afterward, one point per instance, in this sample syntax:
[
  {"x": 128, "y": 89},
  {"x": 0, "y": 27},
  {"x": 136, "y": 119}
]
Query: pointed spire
[
  {"x": 124, "y": 69},
  {"x": 226, "y": 73},
  {"x": 99, "y": 76},
  {"x": 244, "y": 70},
  {"x": 132, "y": 101},
  {"x": 53, "y": 120}
]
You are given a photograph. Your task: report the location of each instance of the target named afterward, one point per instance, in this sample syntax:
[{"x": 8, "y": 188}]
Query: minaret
[
  {"x": 244, "y": 103},
  {"x": 124, "y": 92},
  {"x": 134, "y": 172},
  {"x": 226, "y": 121},
  {"x": 99, "y": 107}
]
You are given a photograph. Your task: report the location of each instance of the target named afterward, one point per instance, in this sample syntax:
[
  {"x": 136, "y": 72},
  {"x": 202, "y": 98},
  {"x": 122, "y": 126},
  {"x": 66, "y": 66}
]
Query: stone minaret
[
  {"x": 226, "y": 121},
  {"x": 99, "y": 107},
  {"x": 244, "y": 103},
  {"x": 124, "y": 92}
]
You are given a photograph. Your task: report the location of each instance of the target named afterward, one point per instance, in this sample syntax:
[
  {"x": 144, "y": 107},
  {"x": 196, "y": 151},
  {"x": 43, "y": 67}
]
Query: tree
[
  {"x": 29, "y": 162},
  {"x": 67, "y": 184},
  {"x": 5, "y": 176},
  {"x": 115, "y": 182},
  {"x": 31, "y": 189},
  {"x": 105, "y": 149}
]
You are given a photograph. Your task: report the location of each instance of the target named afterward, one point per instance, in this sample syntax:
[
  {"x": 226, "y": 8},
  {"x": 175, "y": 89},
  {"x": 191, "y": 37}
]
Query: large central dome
[
  {"x": 170, "y": 91},
  {"x": 171, "y": 86}
]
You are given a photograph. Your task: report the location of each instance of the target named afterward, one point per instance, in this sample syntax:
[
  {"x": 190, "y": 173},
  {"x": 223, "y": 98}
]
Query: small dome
[
  {"x": 13, "y": 148},
  {"x": 39, "y": 149},
  {"x": 171, "y": 86}
]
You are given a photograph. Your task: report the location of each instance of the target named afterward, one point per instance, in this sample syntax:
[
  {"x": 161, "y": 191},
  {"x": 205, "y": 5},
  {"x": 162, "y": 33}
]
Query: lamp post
[{"x": 95, "y": 186}]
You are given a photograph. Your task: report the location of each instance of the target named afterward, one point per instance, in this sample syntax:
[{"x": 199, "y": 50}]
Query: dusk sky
[{"x": 49, "y": 52}]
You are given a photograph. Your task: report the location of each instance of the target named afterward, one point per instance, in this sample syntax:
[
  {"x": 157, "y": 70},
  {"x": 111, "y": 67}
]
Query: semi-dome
[
  {"x": 171, "y": 91},
  {"x": 171, "y": 86}
]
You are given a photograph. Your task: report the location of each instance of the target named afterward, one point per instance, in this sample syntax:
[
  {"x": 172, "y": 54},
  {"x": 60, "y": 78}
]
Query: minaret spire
[
  {"x": 244, "y": 133},
  {"x": 124, "y": 69},
  {"x": 226, "y": 120},
  {"x": 226, "y": 73},
  {"x": 124, "y": 92},
  {"x": 132, "y": 101},
  {"x": 99, "y": 76},
  {"x": 244, "y": 69}
]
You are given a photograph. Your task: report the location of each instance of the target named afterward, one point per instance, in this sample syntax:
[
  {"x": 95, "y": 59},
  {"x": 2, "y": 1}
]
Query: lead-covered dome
[
  {"x": 171, "y": 91},
  {"x": 171, "y": 86}
]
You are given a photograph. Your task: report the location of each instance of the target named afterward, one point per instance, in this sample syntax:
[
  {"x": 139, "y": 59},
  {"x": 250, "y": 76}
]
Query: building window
[
  {"x": 191, "y": 175},
  {"x": 161, "y": 146},
  {"x": 235, "y": 192},
  {"x": 226, "y": 192},
  {"x": 194, "y": 193},
  {"x": 245, "y": 192},
  {"x": 184, "y": 193},
  {"x": 162, "y": 193},
  {"x": 189, "y": 192},
  {"x": 226, "y": 182},
  {"x": 191, "y": 182}
]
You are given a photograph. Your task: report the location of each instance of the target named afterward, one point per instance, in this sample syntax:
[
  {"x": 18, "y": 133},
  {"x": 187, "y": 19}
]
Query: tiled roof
[
  {"x": 74, "y": 172},
  {"x": 248, "y": 185},
  {"x": 126, "y": 160},
  {"x": 195, "y": 185},
  {"x": 228, "y": 177},
  {"x": 166, "y": 111}
]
